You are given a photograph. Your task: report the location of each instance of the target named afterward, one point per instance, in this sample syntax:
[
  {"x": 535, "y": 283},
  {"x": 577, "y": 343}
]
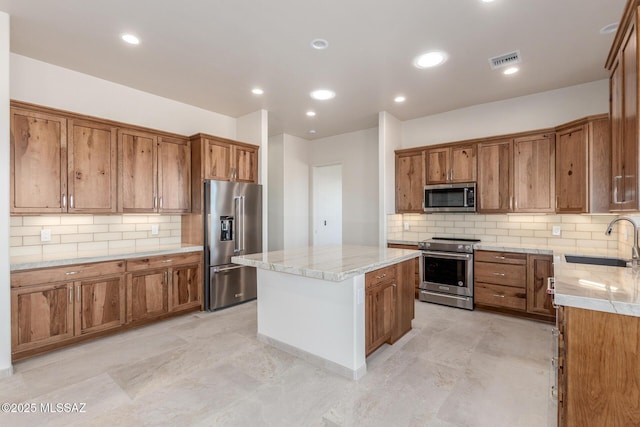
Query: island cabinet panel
[
  {"x": 174, "y": 175},
  {"x": 41, "y": 316},
  {"x": 138, "y": 168},
  {"x": 416, "y": 266},
  {"x": 410, "y": 182},
  {"x": 495, "y": 176},
  {"x": 38, "y": 162},
  {"x": 534, "y": 173},
  {"x": 380, "y": 315},
  {"x": 99, "y": 305},
  {"x": 147, "y": 295},
  {"x": 601, "y": 376},
  {"x": 91, "y": 163},
  {"x": 405, "y": 294},
  {"x": 539, "y": 270}
]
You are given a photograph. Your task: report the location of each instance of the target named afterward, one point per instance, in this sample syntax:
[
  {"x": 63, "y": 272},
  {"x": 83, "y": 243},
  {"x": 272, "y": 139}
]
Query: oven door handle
[{"x": 446, "y": 255}]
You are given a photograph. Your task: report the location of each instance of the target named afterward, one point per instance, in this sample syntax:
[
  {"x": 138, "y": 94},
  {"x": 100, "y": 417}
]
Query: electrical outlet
[
  {"x": 406, "y": 226},
  {"x": 556, "y": 230},
  {"x": 45, "y": 235},
  {"x": 155, "y": 229}
]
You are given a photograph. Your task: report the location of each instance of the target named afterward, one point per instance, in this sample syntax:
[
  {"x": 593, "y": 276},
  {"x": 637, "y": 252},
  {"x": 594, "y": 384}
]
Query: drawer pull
[
  {"x": 69, "y": 273},
  {"x": 168, "y": 260},
  {"x": 500, "y": 257},
  {"x": 381, "y": 277},
  {"x": 498, "y": 274},
  {"x": 498, "y": 296}
]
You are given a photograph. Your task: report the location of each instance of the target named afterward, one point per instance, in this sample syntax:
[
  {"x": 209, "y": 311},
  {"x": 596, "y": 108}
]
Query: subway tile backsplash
[
  {"x": 585, "y": 232},
  {"x": 73, "y": 233}
]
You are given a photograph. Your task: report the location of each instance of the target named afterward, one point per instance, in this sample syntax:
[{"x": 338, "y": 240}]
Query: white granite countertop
[
  {"x": 39, "y": 261},
  {"x": 332, "y": 262}
]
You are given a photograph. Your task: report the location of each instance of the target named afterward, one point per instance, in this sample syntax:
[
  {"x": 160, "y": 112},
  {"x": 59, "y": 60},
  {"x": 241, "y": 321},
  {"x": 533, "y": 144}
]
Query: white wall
[
  {"x": 541, "y": 110},
  {"x": 45, "y": 84},
  {"x": 296, "y": 192},
  {"x": 389, "y": 140},
  {"x": 358, "y": 154},
  {"x": 276, "y": 193},
  {"x": 254, "y": 129},
  {"x": 5, "y": 300}
]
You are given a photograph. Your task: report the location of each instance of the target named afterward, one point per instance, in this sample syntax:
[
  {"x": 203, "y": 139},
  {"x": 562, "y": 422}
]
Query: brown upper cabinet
[
  {"x": 495, "y": 176},
  {"x": 155, "y": 173},
  {"x": 61, "y": 165},
  {"x": 227, "y": 160},
  {"x": 583, "y": 159},
  {"x": 534, "y": 173},
  {"x": 454, "y": 163},
  {"x": 622, "y": 64},
  {"x": 409, "y": 181}
]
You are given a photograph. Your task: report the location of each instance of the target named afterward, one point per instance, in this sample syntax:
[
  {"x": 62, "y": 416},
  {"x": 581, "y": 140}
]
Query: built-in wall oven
[{"x": 446, "y": 272}]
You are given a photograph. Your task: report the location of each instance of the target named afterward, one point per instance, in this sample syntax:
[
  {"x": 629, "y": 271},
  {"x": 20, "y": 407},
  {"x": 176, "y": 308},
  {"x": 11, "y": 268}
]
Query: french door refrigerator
[{"x": 232, "y": 226}]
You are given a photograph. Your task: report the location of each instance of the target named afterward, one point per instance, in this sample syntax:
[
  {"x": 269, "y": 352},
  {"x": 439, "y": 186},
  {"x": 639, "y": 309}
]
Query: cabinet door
[
  {"x": 463, "y": 164},
  {"x": 147, "y": 294},
  {"x": 534, "y": 174},
  {"x": 245, "y": 164},
  {"x": 617, "y": 161},
  {"x": 174, "y": 175},
  {"x": 92, "y": 149},
  {"x": 41, "y": 315},
  {"x": 572, "y": 171},
  {"x": 629, "y": 123},
  {"x": 539, "y": 268},
  {"x": 38, "y": 162},
  {"x": 138, "y": 171},
  {"x": 100, "y": 304},
  {"x": 494, "y": 177},
  {"x": 381, "y": 314},
  {"x": 409, "y": 182},
  {"x": 186, "y": 285},
  {"x": 218, "y": 160},
  {"x": 437, "y": 160}
]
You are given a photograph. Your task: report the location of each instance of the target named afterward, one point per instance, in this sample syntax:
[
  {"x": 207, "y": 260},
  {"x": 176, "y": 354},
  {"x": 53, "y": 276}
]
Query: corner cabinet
[
  {"x": 451, "y": 163},
  {"x": 410, "y": 180},
  {"x": 58, "y": 163},
  {"x": 622, "y": 64}
]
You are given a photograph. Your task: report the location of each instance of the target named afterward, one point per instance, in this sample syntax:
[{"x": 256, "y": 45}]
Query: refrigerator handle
[
  {"x": 244, "y": 214},
  {"x": 236, "y": 241}
]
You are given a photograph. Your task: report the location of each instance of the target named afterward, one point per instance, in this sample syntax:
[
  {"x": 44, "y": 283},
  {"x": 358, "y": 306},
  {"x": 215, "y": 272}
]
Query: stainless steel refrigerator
[{"x": 232, "y": 226}]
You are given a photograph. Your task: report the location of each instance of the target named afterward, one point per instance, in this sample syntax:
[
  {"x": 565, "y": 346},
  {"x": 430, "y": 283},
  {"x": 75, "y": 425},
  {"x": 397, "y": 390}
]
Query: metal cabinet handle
[
  {"x": 381, "y": 277},
  {"x": 160, "y": 202},
  {"x": 167, "y": 260},
  {"x": 71, "y": 201},
  {"x": 78, "y": 293},
  {"x": 71, "y": 295},
  {"x": 451, "y": 174},
  {"x": 500, "y": 257},
  {"x": 70, "y": 273},
  {"x": 155, "y": 202},
  {"x": 510, "y": 202},
  {"x": 498, "y": 274},
  {"x": 498, "y": 296},
  {"x": 550, "y": 285},
  {"x": 64, "y": 200}
]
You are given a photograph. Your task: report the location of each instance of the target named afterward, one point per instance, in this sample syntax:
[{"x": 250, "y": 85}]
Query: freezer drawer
[{"x": 230, "y": 284}]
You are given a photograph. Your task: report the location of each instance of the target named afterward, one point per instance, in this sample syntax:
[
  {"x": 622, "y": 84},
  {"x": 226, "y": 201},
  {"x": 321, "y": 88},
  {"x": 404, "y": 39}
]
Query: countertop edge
[{"x": 100, "y": 258}]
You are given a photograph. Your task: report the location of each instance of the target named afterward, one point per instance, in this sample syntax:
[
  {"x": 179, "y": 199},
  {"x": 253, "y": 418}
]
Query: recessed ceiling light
[
  {"x": 430, "y": 59},
  {"x": 257, "y": 91},
  {"x": 319, "y": 44},
  {"x": 511, "y": 70},
  {"x": 487, "y": 1},
  {"x": 131, "y": 39},
  {"x": 311, "y": 113},
  {"x": 322, "y": 94},
  {"x": 399, "y": 99},
  {"x": 312, "y": 131},
  {"x": 608, "y": 29}
]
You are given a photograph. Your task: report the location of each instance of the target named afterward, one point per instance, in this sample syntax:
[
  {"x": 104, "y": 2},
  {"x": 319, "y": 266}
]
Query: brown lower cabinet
[
  {"x": 598, "y": 371},
  {"x": 58, "y": 306},
  {"x": 514, "y": 283},
  {"x": 389, "y": 304},
  {"x": 416, "y": 262}
]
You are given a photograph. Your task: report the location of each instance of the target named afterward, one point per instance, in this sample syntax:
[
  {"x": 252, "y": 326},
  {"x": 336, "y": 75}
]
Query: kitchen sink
[{"x": 613, "y": 262}]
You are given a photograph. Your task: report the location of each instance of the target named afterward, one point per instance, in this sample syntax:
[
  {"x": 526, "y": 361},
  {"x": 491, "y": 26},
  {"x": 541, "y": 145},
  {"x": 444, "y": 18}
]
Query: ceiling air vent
[{"x": 504, "y": 60}]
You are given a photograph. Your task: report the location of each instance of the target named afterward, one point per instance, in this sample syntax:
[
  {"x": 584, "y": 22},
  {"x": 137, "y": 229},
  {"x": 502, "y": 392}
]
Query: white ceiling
[{"x": 211, "y": 53}]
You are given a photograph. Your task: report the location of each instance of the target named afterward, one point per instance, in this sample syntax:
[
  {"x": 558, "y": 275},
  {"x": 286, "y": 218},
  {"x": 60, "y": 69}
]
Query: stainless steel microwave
[{"x": 459, "y": 197}]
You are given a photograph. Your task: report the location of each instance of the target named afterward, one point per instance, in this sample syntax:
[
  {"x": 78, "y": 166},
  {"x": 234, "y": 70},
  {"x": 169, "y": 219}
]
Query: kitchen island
[{"x": 311, "y": 301}]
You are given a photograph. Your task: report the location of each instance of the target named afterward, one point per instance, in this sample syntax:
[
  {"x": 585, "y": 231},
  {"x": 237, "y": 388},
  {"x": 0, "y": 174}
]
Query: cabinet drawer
[
  {"x": 68, "y": 272},
  {"x": 501, "y": 274},
  {"x": 138, "y": 264},
  {"x": 500, "y": 296},
  {"x": 501, "y": 257},
  {"x": 382, "y": 275}
]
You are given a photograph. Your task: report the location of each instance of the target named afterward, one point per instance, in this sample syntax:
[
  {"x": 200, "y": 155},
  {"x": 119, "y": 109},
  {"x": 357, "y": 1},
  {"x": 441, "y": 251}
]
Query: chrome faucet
[{"x": 634, "y": 251}]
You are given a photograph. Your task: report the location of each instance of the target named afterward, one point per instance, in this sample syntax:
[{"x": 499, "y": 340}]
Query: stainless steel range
[{"x": 446, "y": 271}]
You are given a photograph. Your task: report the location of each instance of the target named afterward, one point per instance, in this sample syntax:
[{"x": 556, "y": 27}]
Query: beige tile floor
[{"x": 455, "y": 368}]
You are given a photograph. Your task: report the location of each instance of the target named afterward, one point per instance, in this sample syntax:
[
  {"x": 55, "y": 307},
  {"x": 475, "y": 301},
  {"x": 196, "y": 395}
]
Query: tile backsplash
[
  {"x": 74, "y": 233},
  {"x": 576, "y": 231}
]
